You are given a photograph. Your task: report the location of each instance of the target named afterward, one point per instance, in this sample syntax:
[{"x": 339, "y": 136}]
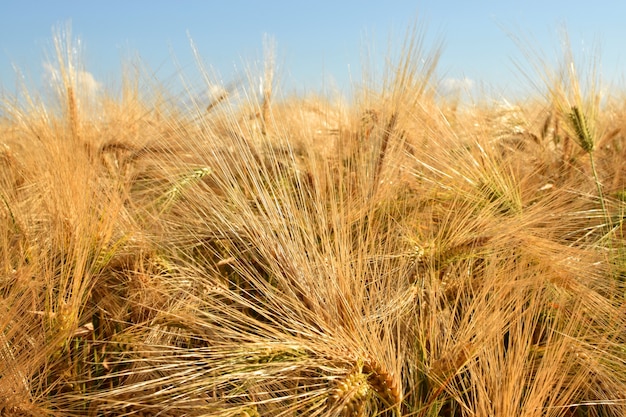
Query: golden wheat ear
[
  {"x": 383, "y": 383},
  {"x": 366, "y": 386},
  {"x": 352, "y": 394}
]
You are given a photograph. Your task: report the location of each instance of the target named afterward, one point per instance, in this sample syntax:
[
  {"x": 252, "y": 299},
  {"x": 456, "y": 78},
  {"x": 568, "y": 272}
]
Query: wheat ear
[
  {"x": 368, "y": 378},
  {"x": 585, "y": 139},
  {"x": 383, "y": 383},
  {"x": 352, "y": 394}
]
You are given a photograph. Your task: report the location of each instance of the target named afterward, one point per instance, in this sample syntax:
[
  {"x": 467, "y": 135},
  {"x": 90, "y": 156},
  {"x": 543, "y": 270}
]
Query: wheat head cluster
[{"x": 396, "y": 253}]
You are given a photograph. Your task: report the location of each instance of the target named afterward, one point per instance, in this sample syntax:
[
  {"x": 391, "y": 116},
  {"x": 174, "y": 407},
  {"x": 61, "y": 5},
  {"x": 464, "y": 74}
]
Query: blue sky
[{"x": 317, "y": 42}]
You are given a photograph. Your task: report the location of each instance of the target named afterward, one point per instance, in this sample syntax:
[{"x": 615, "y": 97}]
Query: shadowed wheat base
[{"x": 396, "y": 254}]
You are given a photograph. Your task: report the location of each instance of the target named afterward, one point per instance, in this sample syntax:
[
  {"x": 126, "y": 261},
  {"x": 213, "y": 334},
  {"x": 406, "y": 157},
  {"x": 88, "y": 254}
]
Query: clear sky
[{"x": 317, "y": 41}]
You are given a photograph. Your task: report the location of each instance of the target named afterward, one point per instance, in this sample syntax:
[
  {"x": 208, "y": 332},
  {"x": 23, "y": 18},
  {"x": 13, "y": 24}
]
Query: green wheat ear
[
  {"x": 585, "y": 140},
  {"x": 174, "y": 192},
  {"x": 621, "y": 195},
  {"x": 583, "y": 136}
]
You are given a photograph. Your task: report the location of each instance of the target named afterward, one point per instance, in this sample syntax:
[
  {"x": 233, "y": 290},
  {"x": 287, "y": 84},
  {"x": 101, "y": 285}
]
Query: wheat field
[{"x": 398, "y": 253}]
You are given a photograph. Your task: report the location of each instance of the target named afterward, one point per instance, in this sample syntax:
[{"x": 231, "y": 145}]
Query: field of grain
[{"x": 398, "y": 253}]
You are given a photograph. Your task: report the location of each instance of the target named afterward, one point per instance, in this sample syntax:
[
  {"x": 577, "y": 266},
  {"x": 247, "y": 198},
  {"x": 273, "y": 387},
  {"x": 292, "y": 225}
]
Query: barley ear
[
  {"x": 579, "y": 123},
  {"x": 585, "y": 140},
  {"x": 249, "y": 412},
  {"x": 352, "y": 394},
  {"x": 176, "y": 190},
  {"x": 269, "y": 52},
  {"x": 72, "y": 109},
  {"x": 383, "y": 383}
]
